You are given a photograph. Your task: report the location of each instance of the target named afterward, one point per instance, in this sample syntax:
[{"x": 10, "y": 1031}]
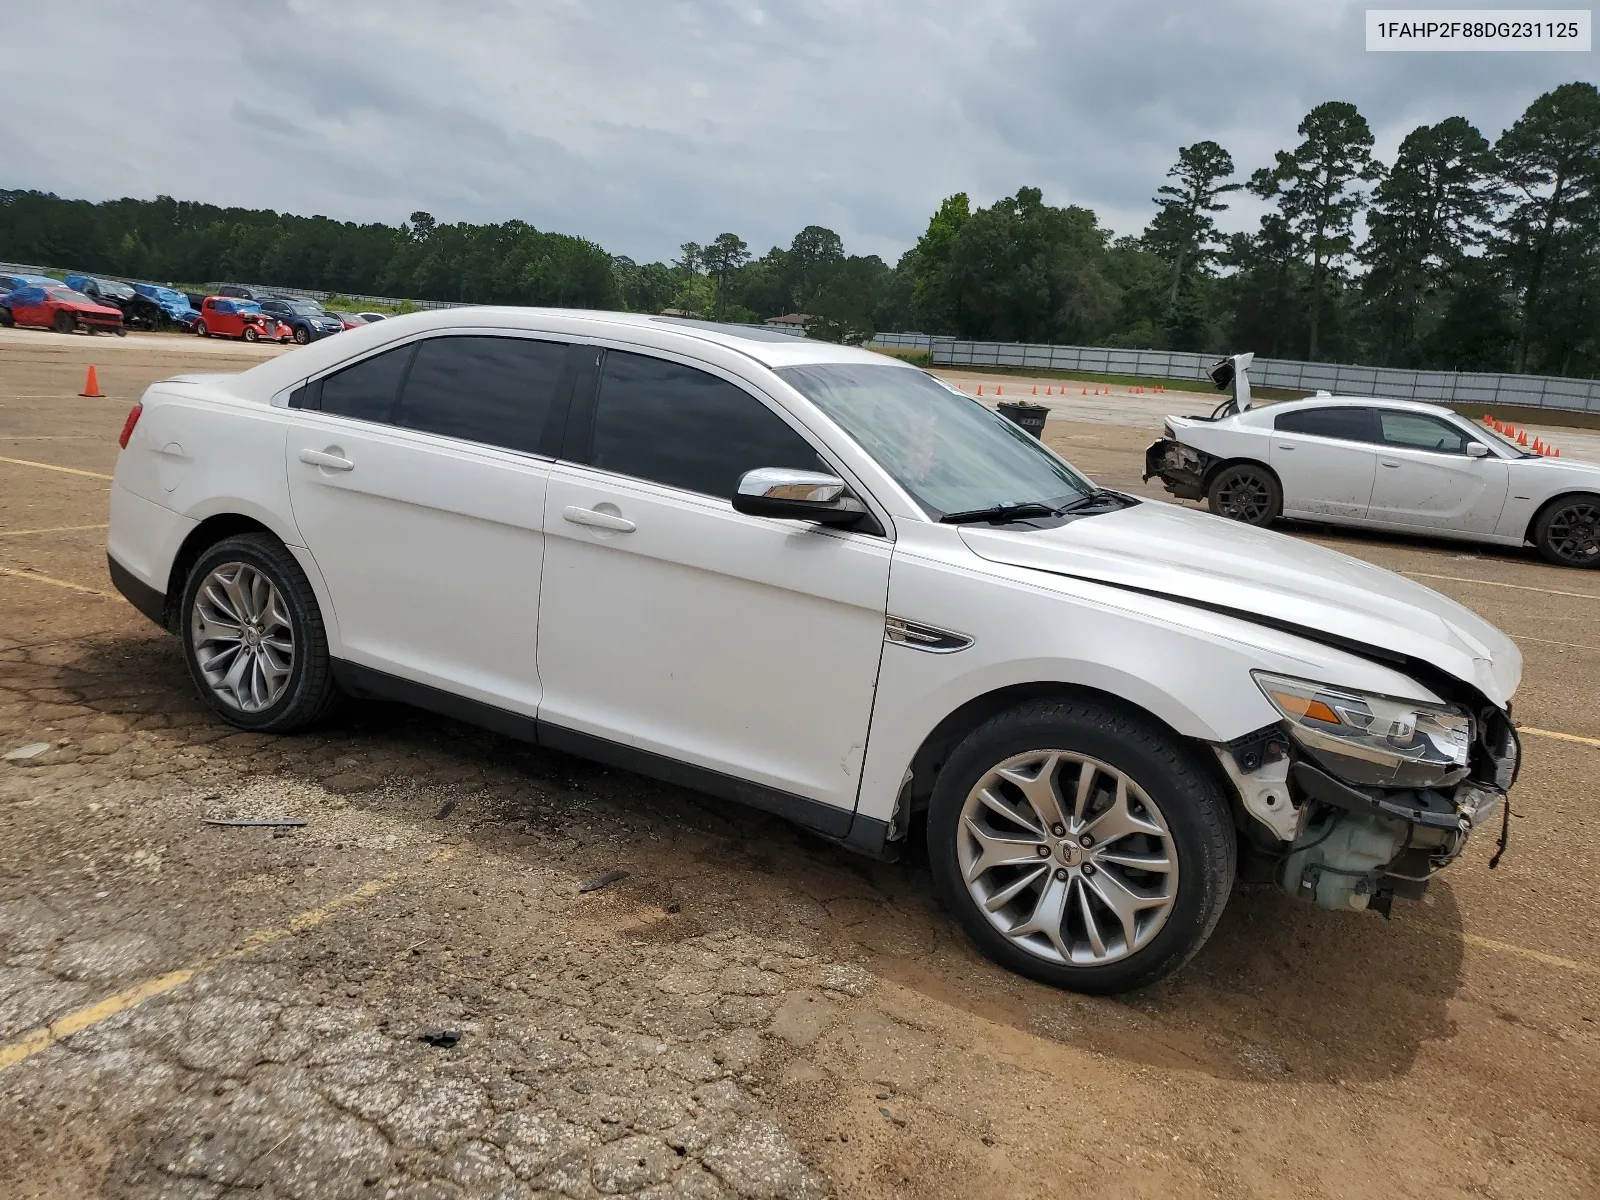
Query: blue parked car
[
  {"x": 174, "y": 305},
  {"x": 307, "y": 318}
]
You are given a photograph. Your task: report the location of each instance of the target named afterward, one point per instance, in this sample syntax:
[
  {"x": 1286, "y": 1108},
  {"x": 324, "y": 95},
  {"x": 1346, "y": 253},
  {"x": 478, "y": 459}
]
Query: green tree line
[{"x": 1458, "y": 255}]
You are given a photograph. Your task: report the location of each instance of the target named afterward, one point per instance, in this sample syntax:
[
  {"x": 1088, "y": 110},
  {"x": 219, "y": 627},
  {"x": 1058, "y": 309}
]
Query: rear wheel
[
  {"x": 6, "y": 319},
  {"x": 1567, "y": 532},
  {"x": 1245, "y": 492},
  {"x": 253, "y": 636},
  {"x": 1081, "y": 845},
  {"x": 64, "y": 322}
]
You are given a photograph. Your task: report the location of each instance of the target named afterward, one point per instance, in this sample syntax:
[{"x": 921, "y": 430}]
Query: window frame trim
[{"x": 585, "y": 405}]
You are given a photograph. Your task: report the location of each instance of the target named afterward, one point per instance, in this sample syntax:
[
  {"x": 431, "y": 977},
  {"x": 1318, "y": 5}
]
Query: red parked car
[
  {"x": 224, "y": 316},
  {"x": 60, "y": 308}
]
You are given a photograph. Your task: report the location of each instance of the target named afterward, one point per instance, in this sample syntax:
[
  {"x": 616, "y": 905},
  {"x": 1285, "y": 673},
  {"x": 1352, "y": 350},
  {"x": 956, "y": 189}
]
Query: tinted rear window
[
  {"x": 1350, "y": 424},
  {"x": 678, "y": 426},
  {"x": 367, "y": 391},
  {"x": 495, "y": 390}
]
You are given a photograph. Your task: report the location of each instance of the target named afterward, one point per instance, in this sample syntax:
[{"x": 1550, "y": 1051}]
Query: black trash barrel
[{"x": 1029, "y": 416}]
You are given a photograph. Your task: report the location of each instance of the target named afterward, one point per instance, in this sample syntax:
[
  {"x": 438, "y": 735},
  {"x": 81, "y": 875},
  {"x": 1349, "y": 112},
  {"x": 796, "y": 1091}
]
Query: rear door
[
  {"x": 1325, "y": 459},
  {"x": 418, "y": 480},
  {"x": 1426, "y": 479}
]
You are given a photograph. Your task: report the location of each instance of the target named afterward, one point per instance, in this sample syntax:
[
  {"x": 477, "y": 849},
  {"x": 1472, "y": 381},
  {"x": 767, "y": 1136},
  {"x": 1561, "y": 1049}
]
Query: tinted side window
[
  {"x": 496, "y": 390},
  {"x": 1418, "y": 431},
  {"x": 367, "y": 390},
  {"x": 1350, "y": 424},
  {"x": 675, "y": 425}
]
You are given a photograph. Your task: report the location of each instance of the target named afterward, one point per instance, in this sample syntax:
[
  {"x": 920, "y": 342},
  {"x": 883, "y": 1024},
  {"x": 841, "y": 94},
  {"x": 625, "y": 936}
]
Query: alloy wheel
[
  {"x": 242, "y": 637},
  {"x": 1067, "y": 857},
  {"x": 1574, "y": 533},
  {"x": 1244, "y": 497}
]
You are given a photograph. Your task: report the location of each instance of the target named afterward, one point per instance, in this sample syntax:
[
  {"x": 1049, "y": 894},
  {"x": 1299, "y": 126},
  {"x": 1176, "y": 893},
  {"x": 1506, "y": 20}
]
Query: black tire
[
  {"x": 7, "y": 321},
  {"x": 302, "y": 335},
  {"x": 1199, "y": 824},
  {"x": 250, "y": 334},
  {"x": 201, "y": 328},
  {"x": 1246, "y": 492},
  {"x": 64, "y": 322},
  {"x": 122, "y": 331},
  {"x": 311, "y": 691},
  {"x": 1567, "y": 530}
]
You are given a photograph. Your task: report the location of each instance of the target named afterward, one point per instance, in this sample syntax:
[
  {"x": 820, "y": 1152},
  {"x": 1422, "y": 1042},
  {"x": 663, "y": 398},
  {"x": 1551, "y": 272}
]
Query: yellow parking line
[
  {"x": 36, "y": 1040},
  {"x": 50, "y": 579},
  {"x": 1560, "y": 737},
  {"x": 1549, "y": 960},
  {"x": 24, "y": 462},
  {"x": 50, "y": 529},
  {"x": 1521, "y": 587}
]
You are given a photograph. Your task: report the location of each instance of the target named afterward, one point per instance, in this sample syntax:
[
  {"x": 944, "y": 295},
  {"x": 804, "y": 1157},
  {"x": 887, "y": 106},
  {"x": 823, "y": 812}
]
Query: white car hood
[{"x": 1172, "y": 551}]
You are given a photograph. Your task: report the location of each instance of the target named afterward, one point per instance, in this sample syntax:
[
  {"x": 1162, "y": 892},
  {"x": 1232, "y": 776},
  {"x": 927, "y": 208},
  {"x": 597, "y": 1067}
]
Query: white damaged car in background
[
  {"x": 823, "y": 583},
  {"x": 1377, "y": 464}
]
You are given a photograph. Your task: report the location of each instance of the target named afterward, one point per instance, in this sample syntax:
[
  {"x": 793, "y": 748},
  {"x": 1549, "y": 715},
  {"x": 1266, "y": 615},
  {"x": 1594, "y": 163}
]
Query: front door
[
  {"x": 1426, "y": 479},
  {"x": 672, "y": 626},
  {"x": 418, "y": 489},
  {"x": 1324, "y": 459}
]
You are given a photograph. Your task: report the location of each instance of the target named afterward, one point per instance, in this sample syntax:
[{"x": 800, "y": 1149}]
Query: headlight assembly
[{"x": 1371, "y": 740}]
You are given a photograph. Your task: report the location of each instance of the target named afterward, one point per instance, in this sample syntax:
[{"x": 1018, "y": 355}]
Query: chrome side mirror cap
[
  {"x": 1477, "y": 450},
  {"x": 796, "y": 495}
]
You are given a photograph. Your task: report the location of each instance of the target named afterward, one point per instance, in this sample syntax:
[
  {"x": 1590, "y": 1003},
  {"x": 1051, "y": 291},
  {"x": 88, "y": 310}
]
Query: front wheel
[
  {"x": 1567, "y": 532},
  {"x": 201, "y": 329},
  {"x": 1081, "y": 845},
  {"x": 1246, "y": 492},
  {"x": 302, "y": 335},
  {"x": 64, "y": 322},
  {"x": 122, "y": 331},
  {"x": 253, "y": 636},
  {"x": 250, "y": 334}
]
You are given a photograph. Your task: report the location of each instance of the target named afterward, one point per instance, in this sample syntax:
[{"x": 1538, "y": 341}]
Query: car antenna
[{"x": 1235, "y": 371}]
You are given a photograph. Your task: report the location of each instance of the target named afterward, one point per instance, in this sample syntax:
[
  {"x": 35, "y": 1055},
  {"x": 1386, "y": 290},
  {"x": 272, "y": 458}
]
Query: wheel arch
[
  {"x": 1238, "y": 460},
  {"x": 1533, "y": 521},
  {"x": 200, "y": 539},
  {"x": 936, "y": 747}
]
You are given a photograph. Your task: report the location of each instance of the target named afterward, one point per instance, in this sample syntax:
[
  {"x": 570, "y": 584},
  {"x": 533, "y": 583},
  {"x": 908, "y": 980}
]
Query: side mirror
[
  {"x": 1477, "y": 450},
  {"x": 796, "y": 495}
]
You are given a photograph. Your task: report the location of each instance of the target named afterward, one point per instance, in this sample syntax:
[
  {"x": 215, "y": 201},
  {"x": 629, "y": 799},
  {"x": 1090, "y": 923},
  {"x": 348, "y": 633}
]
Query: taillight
[{"x": 127, "y": 426}]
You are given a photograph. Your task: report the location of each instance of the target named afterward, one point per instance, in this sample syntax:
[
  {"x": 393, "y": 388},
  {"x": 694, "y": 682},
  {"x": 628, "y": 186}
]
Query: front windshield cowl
[{"x": 950, "y": 452}]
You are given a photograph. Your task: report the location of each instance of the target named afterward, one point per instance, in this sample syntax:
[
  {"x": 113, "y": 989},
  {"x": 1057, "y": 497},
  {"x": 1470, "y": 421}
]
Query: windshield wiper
[
  {"x": 1098, "y": 496},
  {"x": 1000, "y": 512}
]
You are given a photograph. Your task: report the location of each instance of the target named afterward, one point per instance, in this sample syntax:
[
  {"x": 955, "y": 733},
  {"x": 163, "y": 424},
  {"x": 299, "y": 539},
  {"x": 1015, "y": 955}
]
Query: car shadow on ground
[{"x": 1283, "y": 989}]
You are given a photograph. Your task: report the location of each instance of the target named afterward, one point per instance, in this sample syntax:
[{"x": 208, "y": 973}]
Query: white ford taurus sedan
[
  {"x": 1383, "y": 464},
  {"x": 823, "y": 583}
]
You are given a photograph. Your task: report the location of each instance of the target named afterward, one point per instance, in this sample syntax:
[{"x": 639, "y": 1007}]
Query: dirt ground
[{"x": 197, "y": 1011}]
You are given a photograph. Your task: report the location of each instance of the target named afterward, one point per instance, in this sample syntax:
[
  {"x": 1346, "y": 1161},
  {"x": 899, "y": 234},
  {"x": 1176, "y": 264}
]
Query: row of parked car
[{"x": 98, "y": 305}]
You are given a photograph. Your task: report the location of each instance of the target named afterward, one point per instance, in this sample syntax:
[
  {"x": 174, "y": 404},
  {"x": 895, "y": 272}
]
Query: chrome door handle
[
  {"x": 599, "y": 520},
  {"x": 1281, "y": 446},
  {"x": 332, "y": 462}
]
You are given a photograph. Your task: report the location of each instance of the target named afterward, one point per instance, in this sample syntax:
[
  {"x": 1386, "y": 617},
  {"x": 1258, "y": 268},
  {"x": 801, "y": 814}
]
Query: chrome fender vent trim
[{"x": 924, "y": 637}]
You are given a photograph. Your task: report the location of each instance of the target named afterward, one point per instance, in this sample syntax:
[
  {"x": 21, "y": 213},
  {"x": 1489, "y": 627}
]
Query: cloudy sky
[{"x": 645, "y": 123}]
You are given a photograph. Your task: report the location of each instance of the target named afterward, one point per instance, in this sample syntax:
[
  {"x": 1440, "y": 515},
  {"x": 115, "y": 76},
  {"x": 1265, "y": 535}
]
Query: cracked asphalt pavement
[{"x": 411, "y": 995}]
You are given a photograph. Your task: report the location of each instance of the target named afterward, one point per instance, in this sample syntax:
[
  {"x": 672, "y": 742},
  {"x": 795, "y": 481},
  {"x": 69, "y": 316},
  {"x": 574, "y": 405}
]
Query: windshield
[
  {"x": 67, "y": 296},
  {"x": 944, "y": 447},
  {"x": 305, "y": 308}
]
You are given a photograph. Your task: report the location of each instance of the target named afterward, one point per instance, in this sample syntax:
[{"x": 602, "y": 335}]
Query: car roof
[
  {"x": 669, "y": 334},
  {"x": 1280, "y": 406}
]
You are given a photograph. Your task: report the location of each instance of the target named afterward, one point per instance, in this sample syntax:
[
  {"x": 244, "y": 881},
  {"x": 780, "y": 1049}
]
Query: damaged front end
[
  {"x": 1181, "y": 469},
  {"x": 1355, "y": 800}
]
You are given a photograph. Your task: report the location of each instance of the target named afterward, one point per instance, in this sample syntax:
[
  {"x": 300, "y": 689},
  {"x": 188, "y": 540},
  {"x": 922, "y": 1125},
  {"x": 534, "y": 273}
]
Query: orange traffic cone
[
  {"x": 980, "y": 389},
  {"x": 1036, "y": 389},
  {"x": 1538, "y": 446},
  {"x": 997, "y": 391},
  {"x": 1488, "y": 420},
  {"x": 91, "y": 385},
  {"x": 1522, "y": 438},
  {"x": 1557, "y": 453},
  {"x": 1085, "y": 391}
]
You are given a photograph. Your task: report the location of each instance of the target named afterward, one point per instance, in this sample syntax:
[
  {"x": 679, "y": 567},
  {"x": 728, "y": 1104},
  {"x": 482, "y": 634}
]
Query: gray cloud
[{"x": 643, "y": 125}]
